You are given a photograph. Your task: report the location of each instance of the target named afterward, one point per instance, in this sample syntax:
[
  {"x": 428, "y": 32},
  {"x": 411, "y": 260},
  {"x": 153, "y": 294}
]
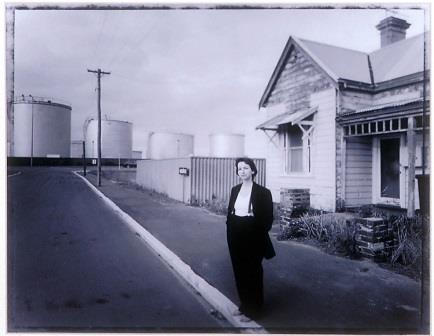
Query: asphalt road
[{"x": 74, "y": 266}]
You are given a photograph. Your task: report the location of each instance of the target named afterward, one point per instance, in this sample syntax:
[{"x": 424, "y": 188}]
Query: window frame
[{"x": 306, "y": 146}]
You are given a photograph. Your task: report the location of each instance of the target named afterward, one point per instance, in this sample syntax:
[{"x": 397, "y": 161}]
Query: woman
[{"x": 250, "y": 216}]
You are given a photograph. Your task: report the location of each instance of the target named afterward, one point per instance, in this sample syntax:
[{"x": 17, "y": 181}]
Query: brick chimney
[{"x": 392, "y": 30}]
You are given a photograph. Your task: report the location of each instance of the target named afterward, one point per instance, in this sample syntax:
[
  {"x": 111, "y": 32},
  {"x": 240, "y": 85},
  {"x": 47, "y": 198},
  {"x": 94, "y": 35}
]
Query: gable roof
[
  {"x": 355, "y": 67},
  {"x": 396, "y": 60},
  {"x": 399, "y": 59}
]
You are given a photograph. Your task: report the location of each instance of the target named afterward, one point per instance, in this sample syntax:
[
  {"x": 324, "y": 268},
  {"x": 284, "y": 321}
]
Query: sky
[{"x": 197, "y": 72}]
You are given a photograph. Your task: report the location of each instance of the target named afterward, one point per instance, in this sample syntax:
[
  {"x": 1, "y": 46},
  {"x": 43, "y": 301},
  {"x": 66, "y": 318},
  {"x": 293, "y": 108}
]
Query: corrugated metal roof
[
  {"x": 387, "y": 105},
  {"x": 344, "y": 63},
  {"x": 285, "y": 118},
  {"x": 399, "y": 59}
]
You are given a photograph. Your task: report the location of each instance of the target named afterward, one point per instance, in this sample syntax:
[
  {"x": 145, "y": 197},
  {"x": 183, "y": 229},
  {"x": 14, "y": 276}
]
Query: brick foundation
[
  {"x": 291, "y": 199},
  {"x": 375, "y": 238}
]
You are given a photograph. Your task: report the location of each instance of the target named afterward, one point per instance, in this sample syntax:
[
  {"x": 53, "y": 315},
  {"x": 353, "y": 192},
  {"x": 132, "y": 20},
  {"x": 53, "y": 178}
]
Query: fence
[
  {"x": 44, "y": 161},
  {"x": 208, "y": 179},
  {"x": 213, "y": 178}
]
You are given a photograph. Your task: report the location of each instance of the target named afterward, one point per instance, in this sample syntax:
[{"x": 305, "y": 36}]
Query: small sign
[{"x": 183, "y": 171}]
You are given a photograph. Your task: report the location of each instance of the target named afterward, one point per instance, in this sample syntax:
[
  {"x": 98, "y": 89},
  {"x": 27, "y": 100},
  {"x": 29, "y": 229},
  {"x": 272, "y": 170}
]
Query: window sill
[{"x": 297, "y": 175}]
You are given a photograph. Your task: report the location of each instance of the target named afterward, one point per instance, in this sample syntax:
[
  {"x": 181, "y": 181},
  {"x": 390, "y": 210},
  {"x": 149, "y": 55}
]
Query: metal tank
[
  {"x": 42, "y": 127},
  {"x": 137, "y": 154},
  {"x": 76, "y": 148},
  {"x": 226, "y": 145},
  {"x": 166, "y": 145},
  {"x": 116, "y": 139}
]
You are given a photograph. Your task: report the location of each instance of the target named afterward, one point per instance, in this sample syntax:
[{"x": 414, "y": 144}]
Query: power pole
[{"x": 99, "y": 73}]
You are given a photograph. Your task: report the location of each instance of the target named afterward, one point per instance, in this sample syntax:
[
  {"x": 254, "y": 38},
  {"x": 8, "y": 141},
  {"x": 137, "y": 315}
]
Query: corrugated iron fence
[{"x": 212, "y": 178}]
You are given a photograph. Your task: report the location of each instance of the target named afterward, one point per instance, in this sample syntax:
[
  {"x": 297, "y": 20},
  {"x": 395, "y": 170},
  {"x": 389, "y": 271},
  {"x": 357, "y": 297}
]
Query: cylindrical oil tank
[
  {"x": 42, "y": 128},
  {"x": 76, "y": 148},
  {"x": 137, "y": 154},
  {"x": 116, "y": 139},
  {"x": 226, "y": 145},
  {"x": 166, "y": 145}
]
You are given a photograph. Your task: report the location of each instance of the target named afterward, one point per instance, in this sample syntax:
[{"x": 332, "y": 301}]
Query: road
[{"x": 74, "y": 266}]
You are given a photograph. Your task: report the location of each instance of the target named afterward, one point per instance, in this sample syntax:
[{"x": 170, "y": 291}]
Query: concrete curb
[{"x": 211, "y": 294}]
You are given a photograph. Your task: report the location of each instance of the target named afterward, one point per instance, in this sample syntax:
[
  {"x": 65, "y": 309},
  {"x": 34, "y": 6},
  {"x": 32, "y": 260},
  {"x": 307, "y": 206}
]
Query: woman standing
[{"x": 250, "y": 216}]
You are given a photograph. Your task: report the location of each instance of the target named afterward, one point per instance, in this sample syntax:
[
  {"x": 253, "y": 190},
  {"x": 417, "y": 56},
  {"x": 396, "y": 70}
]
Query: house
[{"x": 348, "y": 126}]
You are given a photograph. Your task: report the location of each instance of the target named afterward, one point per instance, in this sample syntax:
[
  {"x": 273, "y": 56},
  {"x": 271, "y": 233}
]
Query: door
[{"x": 390, "y": 190}]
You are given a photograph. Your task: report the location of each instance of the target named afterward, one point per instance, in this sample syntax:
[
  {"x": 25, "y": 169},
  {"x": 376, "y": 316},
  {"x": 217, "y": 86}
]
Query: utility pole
[
  {"x": 99, "y": 73},
  {"x": 31, "y": 144},
  {"x": 84, "y": 158}
]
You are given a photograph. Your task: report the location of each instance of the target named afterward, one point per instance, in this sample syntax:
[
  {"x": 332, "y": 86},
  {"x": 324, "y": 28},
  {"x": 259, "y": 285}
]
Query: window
[{"x": 297, "y": 148}]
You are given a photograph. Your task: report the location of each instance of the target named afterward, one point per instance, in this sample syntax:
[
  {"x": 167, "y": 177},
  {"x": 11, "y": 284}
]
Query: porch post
[{"x": 411, "y": 145}]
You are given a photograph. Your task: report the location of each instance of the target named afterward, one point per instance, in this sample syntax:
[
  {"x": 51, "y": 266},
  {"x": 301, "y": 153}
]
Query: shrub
[
  {"x": 336, "y": 231},
  {"x": 408, "y": 232}
]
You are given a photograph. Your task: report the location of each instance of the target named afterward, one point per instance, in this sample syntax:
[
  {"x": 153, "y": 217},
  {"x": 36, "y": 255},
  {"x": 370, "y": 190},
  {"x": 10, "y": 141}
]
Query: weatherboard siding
[
  {"x": 296, "y": 82},
  {"x": 321, "y": 181},
  {"x": 351, "y": 101},
  {"x": 358, "y": 171}
]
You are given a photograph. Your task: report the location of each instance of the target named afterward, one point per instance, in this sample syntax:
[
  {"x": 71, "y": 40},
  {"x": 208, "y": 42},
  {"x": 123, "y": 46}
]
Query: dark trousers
[{"x": 246, "y": 247}]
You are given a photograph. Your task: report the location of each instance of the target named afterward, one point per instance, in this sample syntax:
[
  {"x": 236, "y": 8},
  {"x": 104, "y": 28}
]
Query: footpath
[{"x": 306, "y": 290}]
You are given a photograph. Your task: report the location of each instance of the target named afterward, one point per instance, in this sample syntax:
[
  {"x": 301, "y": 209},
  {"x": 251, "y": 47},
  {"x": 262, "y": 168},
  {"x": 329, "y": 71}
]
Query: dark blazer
[{"x": 262, "y": 208}]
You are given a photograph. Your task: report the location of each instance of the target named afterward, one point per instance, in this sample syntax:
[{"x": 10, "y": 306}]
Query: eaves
[{"x": 349, "y": 85}]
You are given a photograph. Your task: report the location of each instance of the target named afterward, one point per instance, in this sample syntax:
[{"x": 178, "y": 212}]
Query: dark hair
[{"x": 248, "y": 162}]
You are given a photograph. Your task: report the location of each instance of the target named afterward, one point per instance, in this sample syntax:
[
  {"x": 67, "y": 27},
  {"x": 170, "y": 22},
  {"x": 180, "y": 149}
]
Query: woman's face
[{"x": 244, "y": 171}]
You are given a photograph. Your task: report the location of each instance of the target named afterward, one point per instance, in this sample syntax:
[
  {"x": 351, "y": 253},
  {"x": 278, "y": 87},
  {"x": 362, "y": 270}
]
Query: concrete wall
[{"x": 163, "y": 176}]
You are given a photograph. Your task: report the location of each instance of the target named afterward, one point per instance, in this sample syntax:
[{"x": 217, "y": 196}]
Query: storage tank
[
  {"x": 137, "y": 154},
  {"x": 42, "y": 127},
  {"x": 226, "y": 145},
  {"x": 166, "y": 145},
  {"x": 116, "y": 139},
  {"x": 76, "y": 148}
]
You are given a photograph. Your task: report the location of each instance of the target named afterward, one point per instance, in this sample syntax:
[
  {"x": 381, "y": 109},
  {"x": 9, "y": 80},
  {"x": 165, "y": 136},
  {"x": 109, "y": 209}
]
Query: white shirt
[{"x": 241, "y": 205}]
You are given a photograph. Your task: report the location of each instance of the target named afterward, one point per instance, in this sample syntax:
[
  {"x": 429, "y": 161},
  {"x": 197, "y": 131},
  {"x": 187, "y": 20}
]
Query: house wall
[
  {"x": 353, "y": 189},
  {"x": 358, "y": 171},
  {"x": 321, "y": 180},
  {"x": 297, "y": 81},
  {"x": 412, "y": 91},
  {"x": 340, "y": 167},
  {"x": 418, "y": 164},
  {"x": 353, "y": 100}
]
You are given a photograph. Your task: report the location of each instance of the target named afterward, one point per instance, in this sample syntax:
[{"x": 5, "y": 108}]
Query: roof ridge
[
  {"x": 332, "y": 45},
  {"x": 397, "y": 43}
]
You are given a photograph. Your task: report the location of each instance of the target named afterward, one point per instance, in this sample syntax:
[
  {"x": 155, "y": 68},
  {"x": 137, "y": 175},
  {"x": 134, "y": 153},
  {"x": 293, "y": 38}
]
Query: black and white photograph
[{"x": 217, "y": 168}]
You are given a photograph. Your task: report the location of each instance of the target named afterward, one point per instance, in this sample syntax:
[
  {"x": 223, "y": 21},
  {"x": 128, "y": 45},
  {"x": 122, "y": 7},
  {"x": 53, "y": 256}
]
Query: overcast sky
[{"x": 191, "y": 71}]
